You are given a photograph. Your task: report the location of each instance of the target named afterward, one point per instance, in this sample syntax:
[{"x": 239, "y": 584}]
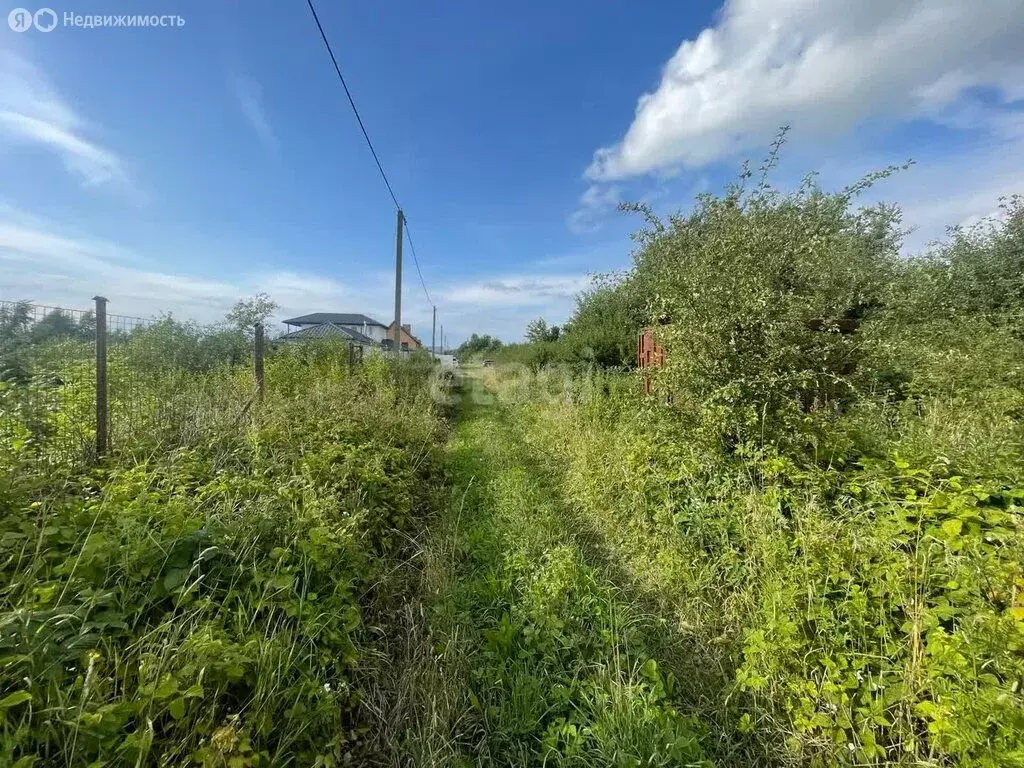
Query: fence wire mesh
[
  {"x": 47, "y": 381},
  {"x": 168, "y": 383},
  {"x": 171, "y": 382}
]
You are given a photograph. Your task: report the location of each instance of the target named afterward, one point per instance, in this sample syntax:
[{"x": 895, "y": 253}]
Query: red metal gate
[{"x": 649, "y": 355}]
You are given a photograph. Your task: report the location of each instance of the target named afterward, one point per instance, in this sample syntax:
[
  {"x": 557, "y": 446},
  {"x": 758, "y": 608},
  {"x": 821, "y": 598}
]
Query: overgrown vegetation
[
  {"x": 829, "y": 522},
  {"x": 803, "y": 547},
  {"x": 478, "y": 345},
  {"x": 200, "y": 598}
]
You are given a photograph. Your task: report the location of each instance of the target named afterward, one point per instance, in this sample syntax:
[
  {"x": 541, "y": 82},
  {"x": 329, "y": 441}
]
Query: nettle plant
[{"x": 738, "y": 284}]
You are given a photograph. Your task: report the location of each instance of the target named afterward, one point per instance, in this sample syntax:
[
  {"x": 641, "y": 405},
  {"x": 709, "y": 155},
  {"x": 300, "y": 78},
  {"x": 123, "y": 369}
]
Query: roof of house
[
  {"x": 327, "y": 331},
  {"x": 407, "y": 333},
  {"x": 336, "y": 318}
]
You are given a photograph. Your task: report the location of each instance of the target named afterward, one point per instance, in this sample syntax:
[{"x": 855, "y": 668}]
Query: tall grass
[
  {"x": 823, "y": 496},
  {"x": 528, "y": 655},
  {"x": 865, "y": 615},
  {"x": 200, "y": 600}
]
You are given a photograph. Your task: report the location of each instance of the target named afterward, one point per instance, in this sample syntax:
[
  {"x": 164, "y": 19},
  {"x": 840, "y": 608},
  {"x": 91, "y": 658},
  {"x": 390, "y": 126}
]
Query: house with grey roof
[{"x": 356, "y": 328}]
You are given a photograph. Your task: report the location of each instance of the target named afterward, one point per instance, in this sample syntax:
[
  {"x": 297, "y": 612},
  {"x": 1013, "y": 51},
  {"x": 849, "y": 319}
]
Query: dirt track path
[{"x": 527, "y": 655}]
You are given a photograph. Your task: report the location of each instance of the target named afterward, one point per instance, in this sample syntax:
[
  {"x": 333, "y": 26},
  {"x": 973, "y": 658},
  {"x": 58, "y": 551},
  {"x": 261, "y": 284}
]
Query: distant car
[{"x": 488, "y": 363}]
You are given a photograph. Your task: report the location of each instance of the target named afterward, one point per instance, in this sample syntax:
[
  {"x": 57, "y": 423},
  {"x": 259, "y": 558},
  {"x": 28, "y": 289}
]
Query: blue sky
[{"x": 178, "y": 169}]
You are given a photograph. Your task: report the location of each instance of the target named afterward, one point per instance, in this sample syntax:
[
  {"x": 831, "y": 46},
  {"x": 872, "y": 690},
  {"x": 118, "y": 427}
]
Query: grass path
[{"x": 523, "y": 653}]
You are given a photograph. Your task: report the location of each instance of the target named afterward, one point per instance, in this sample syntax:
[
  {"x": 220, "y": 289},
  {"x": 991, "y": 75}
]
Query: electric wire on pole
[{"x": 402, "y": 220}]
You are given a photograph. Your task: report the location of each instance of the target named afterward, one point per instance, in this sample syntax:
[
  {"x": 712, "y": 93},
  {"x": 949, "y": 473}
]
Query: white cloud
[
  {"x": 960, "y": 189},
  {"x": 250, "y": 100},
  {"x": 819, "y": 65},
  {"x": 594, "y": 205},
  {"x": 522, "y": 291},
  {"x": 32, "y": 112},
  {"x": 503, "y": 306},
  {"x": 52, "y": 268},
  {"x": 41, "y": 262}
]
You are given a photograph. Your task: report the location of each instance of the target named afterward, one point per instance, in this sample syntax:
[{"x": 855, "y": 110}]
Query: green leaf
[
  {"x": 167, "y": 688},
  {"x": 952, "y": 528},
  {"x": 175, "y": 579},
  {"x": 282, "y": 580},
  {"x": 15, "y": 699},
  {"x": 650, "y": 669},
  {"x": 177, "y": 708}
]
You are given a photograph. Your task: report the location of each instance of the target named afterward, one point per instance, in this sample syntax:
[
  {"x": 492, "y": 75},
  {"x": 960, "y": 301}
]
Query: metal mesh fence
[
  {"x": 76, "y": 383},
  {"x": 47, "y": 381},
  {"x": 171, "y": 382}
]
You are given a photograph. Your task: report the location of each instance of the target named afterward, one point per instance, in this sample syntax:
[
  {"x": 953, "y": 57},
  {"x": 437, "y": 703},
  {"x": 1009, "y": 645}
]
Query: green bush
[
  {"x": 832, "y": 525},
  {"x": 740, "y": 279},
  {"x": 168, "y": 344},
  {"x": 204, "y": 605},
  {"x": 863, "y": 616}
]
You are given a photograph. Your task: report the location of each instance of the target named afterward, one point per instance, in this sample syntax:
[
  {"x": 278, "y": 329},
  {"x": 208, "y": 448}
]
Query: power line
[
  {"x": 352, "y": 103},
  {"x": 366, "y": 135},
  {"x": 416, "y": 261}
]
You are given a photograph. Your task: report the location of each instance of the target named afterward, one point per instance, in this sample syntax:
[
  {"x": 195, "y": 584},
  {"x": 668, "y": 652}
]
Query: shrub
[
  {"x": 740, "y": 279},
  {"x": 203, "y": 605}
]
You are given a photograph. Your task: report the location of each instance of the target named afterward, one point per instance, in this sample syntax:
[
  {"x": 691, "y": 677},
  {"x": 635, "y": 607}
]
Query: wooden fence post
[
  {"x": 102, "y": 420},
  {"x": 351, "y": 358},
  {"x": 258, "y": 360}
]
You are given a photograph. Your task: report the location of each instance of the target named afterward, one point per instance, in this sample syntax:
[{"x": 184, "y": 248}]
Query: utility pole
[
  {"x": 398, "y": 285},
  {"x": 102, "y": 386},
  {"x": 442, "y": 338},
  {"x": 259, "y": 343},
  {"x": 433, "y": 335}
]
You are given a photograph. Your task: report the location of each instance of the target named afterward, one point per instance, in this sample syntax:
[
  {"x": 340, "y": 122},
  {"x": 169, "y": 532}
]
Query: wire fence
[
  {"x": 76, "y": 384},
  {"x": 173, "y": 382},
  {"x": 47, "y": 379}
]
